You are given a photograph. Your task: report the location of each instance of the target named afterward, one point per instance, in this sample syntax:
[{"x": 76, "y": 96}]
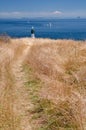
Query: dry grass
[
  {"x": 54, "y": 74},
  {"x": 12, "y": 92},
  {"x": 7, "y": 116},
  {"x": 61, "y": 66}
]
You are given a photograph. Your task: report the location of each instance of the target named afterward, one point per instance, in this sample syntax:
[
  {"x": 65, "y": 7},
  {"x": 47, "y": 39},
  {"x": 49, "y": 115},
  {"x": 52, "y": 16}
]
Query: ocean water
[{"x": 45, "y": 28}]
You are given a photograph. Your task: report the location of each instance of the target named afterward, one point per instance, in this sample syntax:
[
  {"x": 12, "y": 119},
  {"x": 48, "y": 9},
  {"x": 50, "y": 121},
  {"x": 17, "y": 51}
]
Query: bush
[{"x": 4, "y": 38}]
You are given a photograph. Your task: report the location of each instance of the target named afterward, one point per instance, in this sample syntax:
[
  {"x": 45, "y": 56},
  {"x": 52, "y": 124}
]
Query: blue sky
[{"x": 44, "y": 8}]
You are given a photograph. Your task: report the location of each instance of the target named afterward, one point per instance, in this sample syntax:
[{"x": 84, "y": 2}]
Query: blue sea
[{"x": 45, "y": 28}]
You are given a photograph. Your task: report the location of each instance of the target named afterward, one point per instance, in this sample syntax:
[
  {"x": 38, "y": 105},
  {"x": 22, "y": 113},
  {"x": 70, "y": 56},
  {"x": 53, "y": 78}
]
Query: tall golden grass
[
  {"x": 61, "y": 66},
  {"x": 11, "y": 84}
]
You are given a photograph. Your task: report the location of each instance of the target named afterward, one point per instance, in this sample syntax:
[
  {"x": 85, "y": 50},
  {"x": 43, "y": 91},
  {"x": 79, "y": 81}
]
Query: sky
[{"x": 42, "y": 8}]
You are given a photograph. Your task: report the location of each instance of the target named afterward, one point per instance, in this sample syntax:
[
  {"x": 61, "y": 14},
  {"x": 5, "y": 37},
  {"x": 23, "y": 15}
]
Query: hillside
[{"x": 42, "y": 84}]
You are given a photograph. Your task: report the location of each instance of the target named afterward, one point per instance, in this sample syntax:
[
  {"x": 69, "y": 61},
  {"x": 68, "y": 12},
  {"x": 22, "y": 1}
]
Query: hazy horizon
[{"x": 45, "y": 8}]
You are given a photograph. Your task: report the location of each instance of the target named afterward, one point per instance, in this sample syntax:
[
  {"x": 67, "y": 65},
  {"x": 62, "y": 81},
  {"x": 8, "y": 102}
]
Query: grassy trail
[
  {"x": 14, "y": 101},
  {"x": 42, "y": 87}
]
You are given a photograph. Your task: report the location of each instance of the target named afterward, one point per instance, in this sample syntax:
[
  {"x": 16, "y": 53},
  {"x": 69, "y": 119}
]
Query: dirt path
[
  {"x": 22, "y": 104},
  {"x": 14, "y": 98}
]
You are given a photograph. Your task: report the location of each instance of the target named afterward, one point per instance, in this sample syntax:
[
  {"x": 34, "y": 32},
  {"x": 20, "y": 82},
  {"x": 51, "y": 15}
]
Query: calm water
[{"x": 45, "y": 28}]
